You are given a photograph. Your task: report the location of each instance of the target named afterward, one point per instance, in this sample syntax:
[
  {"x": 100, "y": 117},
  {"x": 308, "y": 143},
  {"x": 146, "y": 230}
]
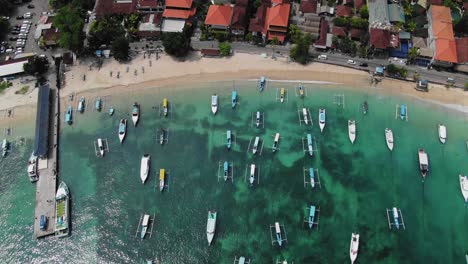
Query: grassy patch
[
  {"x": 4, "y": 85},
  {"x": 23, "y": 90}
]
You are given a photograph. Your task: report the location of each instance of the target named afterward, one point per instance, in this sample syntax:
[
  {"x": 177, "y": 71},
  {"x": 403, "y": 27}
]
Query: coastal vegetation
[
  {"x": 396, "y": 71},
  {"x": 36, "y": 66},
  {"x": 104, "y": 31},
  {"x": 23, "y": 90},
  {"x": 4, "y": 85},
  {"x": 300, "y": 51},
  {"x": 70, "y": 22},
  {"x": 120, "y": 48},
  {"x": 177, "y": 44},
  {"x": 225, "y": 49}
]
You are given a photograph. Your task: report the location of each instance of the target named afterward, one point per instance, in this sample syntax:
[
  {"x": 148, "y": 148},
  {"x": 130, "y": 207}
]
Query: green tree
[
  {"x": 257, "y": 3},
  {"x": 249, "y": 37},
  {"x": 466, "y": 86},
  {"x": 359, "y": 23},
  {"x": 461, "y": 27},
  {"x": 409, "y": 10},
  {"x": 412, "y": 54},
  {"x": 70, "y": 24},
  {"x": 300, "y": 52},
  {"x": 177, "y": 44},
  {"x": 341, "y": 21},
  {"x": 411, "y": 26},
  {"x": 105, "y": 31},
  {"x": 275, "y": 41},
  {"x": 295, "y": 33},
  {"x": 225, "y": 49},
  {"x": 4, "y": 28},
  {"x": 450, "y": 3},
  {"x": 36, "y": 65},
  {"x": 120, "y": 48},
  {"x": 364, "y": 12}
]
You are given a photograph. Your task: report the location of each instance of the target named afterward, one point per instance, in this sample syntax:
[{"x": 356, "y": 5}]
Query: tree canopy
[
  {"x": 177, "y": 44},
  {"x": 104, "y": 31},
  {"x": 300, "y": 52},
  {"x": 70, "y": 23},
  {"x": 120, "y": 48},
  {"x": 364, "y": 12},
  {"x": 295, "y": 33},
  {"x": 461, "y": 27},
  {"x": 36, "y": 65},
  {"x": 225, "y": 49}
]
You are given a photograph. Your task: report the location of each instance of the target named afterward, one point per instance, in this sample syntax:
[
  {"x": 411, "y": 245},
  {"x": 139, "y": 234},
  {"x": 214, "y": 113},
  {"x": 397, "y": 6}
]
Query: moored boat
[
  {"x": 396, "y": 217},
  {"x": 282, "y": 94},
  {"x": 352, "y": 130},
  {"x": 423, "y": 162},
  {"x": 310, "y": 146},
  {"x": 4, "y": 147},
  {"x": 301, "y": 90},
  {"x": 234, "y": 98},
  {"x": 354, "y": 247},
  {"x": 32, "y": 168},
  {"x": 122, "y": 129},
  {"x": 111, "y": 111},
  {"x": 145, "y": 167},
  {"x": 229, "y": 139},
  {"x": 69, "y": 115},
  {"x": 62, "y": 211},
  {"x": 365, "y": 107},
  {"x": 322, "y": 119},
  {"x": 165, "y": 107},
  {"x": 135, "y": 113},
  {"x": 311, "y": 216},
  {"x": 214, "y": 103},
  {"x": 211, "y": 226},
  {"x": 162, "y": 179},
  {"x": 464, "y": 186},
  {"x": 304, "y": 113},
  {"x": 100, "y": 146},
  {"x": 226, "y": 170},
  {"x": 442, "y": 133},
  {"x": 389, "y": 138},
  {"x": 403, "y": 111},
  {"x": 81, "y": 105},
  {"x": 262, "y": 83},
  {"x": 312, "y": 177},
  {"x": 255, "y": 145},
  {"x": 98, "y": 104},
  {"x": 279, "y": 237},
  {"x": 162, "y": 136},
  {"x": 252, "y": 174},
  {"x": 258, "y": 119},
  {"x": 276, "y": 142},
  {"x": 144, "y": 225}
]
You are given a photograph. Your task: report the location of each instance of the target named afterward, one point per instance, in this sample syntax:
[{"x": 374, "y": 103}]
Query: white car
[
  {"x": 351, "y": 62},
  {"x": 322, "y": 57}
]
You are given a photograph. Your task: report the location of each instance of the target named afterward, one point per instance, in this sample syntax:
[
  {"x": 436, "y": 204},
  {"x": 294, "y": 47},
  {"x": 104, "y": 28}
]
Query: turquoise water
[{"x": 358, "y": 182}]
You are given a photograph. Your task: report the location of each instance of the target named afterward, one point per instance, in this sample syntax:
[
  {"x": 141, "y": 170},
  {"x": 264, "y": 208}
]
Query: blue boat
[
  {"x": 309, "y": 145},
  {"x": 81, "y": 105},
  {"x": 69, "y": 115},
  {"x": 98, "y": 104},
  {"x": 279, "y": 238},
  {"x": 234, "y": 98},
  {"x": 396, "y": 217},
  {"x": 311, "y": 216},
  {"x": 229, "y": 139},
  {"x": 111, "y": 111},
  {"x": 262, "y": 83},
  {"x": 226, "y": 170},
  {"x": 312, "y": 177},
  {"x": 43, "y": 223},
  {"x": 403, "y": 111}
]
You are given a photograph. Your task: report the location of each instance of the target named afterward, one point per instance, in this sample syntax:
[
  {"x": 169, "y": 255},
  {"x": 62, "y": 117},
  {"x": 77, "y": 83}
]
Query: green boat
[{"x": 62, "y": 211}]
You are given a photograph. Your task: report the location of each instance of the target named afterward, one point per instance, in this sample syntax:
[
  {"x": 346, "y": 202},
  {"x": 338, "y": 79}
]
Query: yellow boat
[
  {"x": 283, "y": 93},
  {"x": 162, "y": 176},
  {"x": 165, "y": 106}
]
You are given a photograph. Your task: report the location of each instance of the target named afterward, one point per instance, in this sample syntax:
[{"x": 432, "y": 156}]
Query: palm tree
[
  {"x": 411, "y": 26},
  {"x": 412, "y": 54}
]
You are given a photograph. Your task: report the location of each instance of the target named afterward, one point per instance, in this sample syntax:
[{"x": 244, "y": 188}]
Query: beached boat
[
  {"x": 403, "y": 111},
  {"x": 252, "y": 174},
  {"x": 442, "y": 133},
  {"x": 226, "y": 170},
  {"x": 255, "y": 145},
  {"x": 62, "y": 211},
  {"x": 389, "y": 138},
  {"x": 279, "y": 237},
  {"x": 4, "y": 147},
  {"x": 144, "y": 225},
  {"x": 311, "y": 216},
  {"x": 464, "y": 186},
  {"x": 229, "y": 139},
  {"x": 352, "y": 130},
  {"x": 32, "y": 168},
  {"x": 301, "y": 90},
  {"x": 396, "y": 218},
  {"x": 145, "y": 167},
  {"x": 365, "y": 107},
  {"x": 135, "y": 113},
  {"x": 262, "y": 83},
  {"x": 258, "y": 119},
  {"x": 81, "y": 105},
  {"x": 234, "y": 98},
  {"x": 98, "y": 104},
  {"x": 214, "y": 103},
  {"x": 282, "y": 94},
  {"x": 276, "y": 142},
  {"x": 310, "y": 146},
  {"x": 354, "y": 247},
  {"x": 162, "y": 133},
  {"x": 162, "y": 179},
  {"x": 111, "y": 111},
  {"x": 122, "y": 129},
  {"x": 312, "y": 177},
  {"x": 321, "y": 119},
  {"x": 423, "y": 162},
  {"x": 165, "y": 106},
  {"x": 100, "y": 146},
  {"x": 69, "y": 115},
  {"x": 211, "y": 226},
  {"x": 304, "y": 113}
]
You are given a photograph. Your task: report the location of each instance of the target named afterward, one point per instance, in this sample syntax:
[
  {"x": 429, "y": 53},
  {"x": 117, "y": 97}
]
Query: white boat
[
  {"x": 354, "y": 247},
  {"x": 279, "y": 237},
  {"x": 257, "y": 119},
  {"x": 276, "y": 142},
  {"x": 122, "y": 129},
  {"x": 389, "y": 138},
  {"x": 306, "y": 119},
  {"x": 135, "y": 113},
  {"x": 255, "y": 145},
  {"x": 252, "y": 174},
  {"x": 62, "y": 211},
  {"x": 282, "y": 94},
  {"x": 214, "y": 104},
  {"x": 145, "y": 167},
  {"x": 144, "y": 226},
  {"x": 100, "y": 146},
  {"x": 211, "y": 226},
  {"x": 352, "y": 130},
  {"x": 423, "y": 162},
  {"x": 322, "y": 119},
  {"x": 464, "y": 186},
  {"x": 32, "y": 168},
  {"x": 442, "y": 133},
  {"x": 162, "y": 179},
  {"x": 4, "y": 147}
]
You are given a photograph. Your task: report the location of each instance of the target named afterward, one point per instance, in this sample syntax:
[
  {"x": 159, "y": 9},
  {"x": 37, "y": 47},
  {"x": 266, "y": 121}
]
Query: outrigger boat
[
  {"x": 111, "y": 111},
  {"x": 81, "y": 104},
  {"x": 312, "y": 177},
  {"x": 255, "y": 146},
  {"x": 161, "y": 136},
  {"x": 98, "y": 104},
  {"x": 165, "y": 107},
  {"x": 442, "y": 133},
  {"x": 234, "y": 98},
  {"x": 32, "y": 168},
  {"x": 4, "y": 147},
  {"x": 389, "y": 138},
  {"x": 69, "y": 115},
  {"x": 162, "y": 179},
  {"x": 310, "y": 146},
  {"x": 214, "y": 104},
  {"x": 211, "y": 226},
  {"x": 301, "y": 90},
  {"x": 258, "y": 118},
  {"x": 262, "y": 83},
  {"x": 226, "y": 170},
  {"x": 144, "y": 225},
  {"x": 423, "y": 162},
  {"x": 252, "y": 174},
  {"x": 282, "y": 94},
  {"x": 276, "y": 142},
  {"x": 365, "y": 107},
  {"x": 396, "y": 217},
  {"x": 100, "y": 146},
  {"x": 61, "y": 211},
  {"x": 122, "y": 129},
  {"x": 403, "y": 111},
  {"x": 321, "y": 119},
  {"x": 144, "y": 167},
  {"x": 135, "y": 113},
  {"x": 352, "y": 130},
  {"x": 279, "y": 237},
  {"x": 229, "y": 139},
  {"x": 311, "y": 216},
  {"x": 464, "y": 186},
  {"x": 306, "y": 119},
  {"x": 354, "y": 247}
]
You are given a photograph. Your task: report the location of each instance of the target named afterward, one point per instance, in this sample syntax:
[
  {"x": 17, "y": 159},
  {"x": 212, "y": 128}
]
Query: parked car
[
  {"x": 322, "y": 57},
  {"x": 15, "y": 32},
  {"x": 363, "y": 64},
  {"x": 351, "y": 62},
  {"x": 22, "y": 36},
  {"x": 450, "y": 80},
  {"x": 31, "y": 6},
  {"x": 27, "y": 22},
  {"x": 19, "y": 17},
  {"x": 13, "y": 38},
  {"x": 9, "y": 51}
]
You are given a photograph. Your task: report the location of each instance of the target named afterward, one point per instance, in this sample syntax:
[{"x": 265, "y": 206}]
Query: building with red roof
[
  {"x": 358, "y": 4},
  {"x": 462, "y": 49},
  {"x": 339, "y": 31},
  {"x": 344, "y": 11},
  {"x": 177, "y": 14},
  {"x": 380, "y": 38},
  {"x": 321, "y": 42},
  {"x": 111, "y": 7},
  {"x": 219, "y": 17},
  {"x": 441, "y": 38},
  {"x": 356, "y": 33},
  {"x": 308, "y": 6},
  {"x": 275, "y": 18}
]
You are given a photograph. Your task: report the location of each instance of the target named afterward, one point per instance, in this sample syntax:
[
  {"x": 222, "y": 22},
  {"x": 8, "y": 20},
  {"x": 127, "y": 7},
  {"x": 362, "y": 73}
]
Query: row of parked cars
[{"x": 20, "y": 35}]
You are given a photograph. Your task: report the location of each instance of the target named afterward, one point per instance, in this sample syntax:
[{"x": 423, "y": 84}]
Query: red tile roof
[
  {"x": 178, "y": 13},
  {"x": 219, "y": 15},
  {"x": 108, "y": 7},
  {"x": 462, "y": 49},
  {"x": 256, "y": 24},
  {"x": 147, "y": 3},
  {"x": 322, "y": 41},
  {"x": 436, "y": 2},
  {"x": 446, "y": 50},
  {"x": 356, "y": 33},
  {"x": 380, "y": 38},
  {"x": 279, "y": 35},
  {"x": 179, "y": 3},
  {"x": 343, "y": 11},
  {"x": 238, "y": 17},
  {"x": 358, "y": 4},
  {"x": 339, "y": 31},
  {"x": 278, "y": 15},
  {"x": 308, "y": 6},
  {"x": 442, "y": 30}
]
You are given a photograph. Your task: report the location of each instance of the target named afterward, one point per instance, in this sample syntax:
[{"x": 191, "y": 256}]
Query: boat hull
[
  {"x": 352, "y": 131},
  {"x": 354, "y": 247},
  {"x": 464, "y": 187},
  {"x": 144, "y": 168},
  {"x": 211, "y": 226},
  {"x": 389, "y": 139},
  {"x": 442, "y": 134}
]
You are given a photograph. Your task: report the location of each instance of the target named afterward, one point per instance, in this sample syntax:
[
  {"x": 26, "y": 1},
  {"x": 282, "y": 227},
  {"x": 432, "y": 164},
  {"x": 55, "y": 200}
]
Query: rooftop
[
  {"x": 238, "y": 17},
  {"x": 462, "y": 49},
  {"x": 308, "y": 6},
  {"x": 219, "y": 15},
  {"x": 378, "y": 13},
  {"x": 42, "y": 121},
  {"x": 107, "y": 7},
  {"x": 339, "y": 31},
  {"x": 179, "y": 3},
  {"x": 380, "y": 38},
  {"x": 278, "y": 15},
  {"x": 442, "y": 34},
  {"x": 322, "y": 40},
  {"x": 343, "y": 11},
  {"x": 178, "y": 13}
]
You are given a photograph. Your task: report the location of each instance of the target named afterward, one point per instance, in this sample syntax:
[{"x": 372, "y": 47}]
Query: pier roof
[{"x": 42, "y": 121}]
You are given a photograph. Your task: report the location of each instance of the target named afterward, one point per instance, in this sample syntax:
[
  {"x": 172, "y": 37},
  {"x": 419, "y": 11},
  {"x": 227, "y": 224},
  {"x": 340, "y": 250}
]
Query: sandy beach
[{"x": 166, "y": 72}]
